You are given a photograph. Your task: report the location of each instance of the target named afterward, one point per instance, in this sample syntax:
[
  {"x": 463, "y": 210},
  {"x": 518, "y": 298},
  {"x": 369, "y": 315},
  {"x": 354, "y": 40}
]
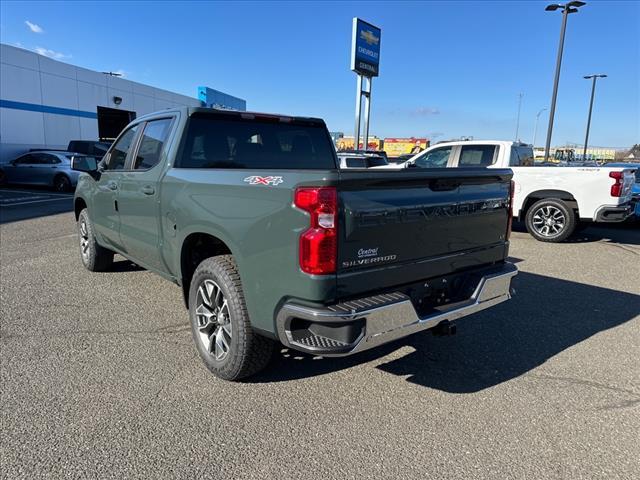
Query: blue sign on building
[
  {"x": 365, "y": 48},
  {"x": 215, "y": 99}
]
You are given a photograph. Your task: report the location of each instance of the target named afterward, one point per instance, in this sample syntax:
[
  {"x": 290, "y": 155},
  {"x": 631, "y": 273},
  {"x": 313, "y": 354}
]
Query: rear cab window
[
  {"x": 477, "y": 155},
  {"x": 227, "y": 142}
]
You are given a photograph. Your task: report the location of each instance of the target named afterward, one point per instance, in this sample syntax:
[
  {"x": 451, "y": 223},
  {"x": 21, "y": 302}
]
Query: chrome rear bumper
[{"x": 376, "y": 320}]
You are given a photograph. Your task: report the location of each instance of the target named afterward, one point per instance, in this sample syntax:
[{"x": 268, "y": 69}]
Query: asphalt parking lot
[
  {"x": 21, "y": 203},
  {"x": 100, "y": 378}
]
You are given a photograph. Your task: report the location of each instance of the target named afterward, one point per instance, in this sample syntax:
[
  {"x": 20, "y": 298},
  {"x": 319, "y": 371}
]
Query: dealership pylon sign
[{"x": 365, "y": 61}]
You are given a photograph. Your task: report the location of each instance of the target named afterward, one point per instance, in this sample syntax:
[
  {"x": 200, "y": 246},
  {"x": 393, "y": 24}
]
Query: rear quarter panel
[
  {"x": 590, "y": 186},
  {"x": 258, "y": 223}
]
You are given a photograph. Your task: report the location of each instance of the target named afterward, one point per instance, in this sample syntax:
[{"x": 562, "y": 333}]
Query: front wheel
[
  {"x": 550, "y": 220},
  {"x": 220, "y": 324},
  {"x": 94, "y": 257}
]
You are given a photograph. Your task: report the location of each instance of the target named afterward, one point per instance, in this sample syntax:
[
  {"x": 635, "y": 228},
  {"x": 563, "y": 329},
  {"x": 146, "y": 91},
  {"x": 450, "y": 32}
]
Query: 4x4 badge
[{"x": 256, "y": 180}]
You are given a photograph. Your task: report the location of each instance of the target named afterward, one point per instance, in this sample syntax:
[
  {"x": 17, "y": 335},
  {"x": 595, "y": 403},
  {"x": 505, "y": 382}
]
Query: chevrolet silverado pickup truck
[
  {"x": 553, "y": 201},
  {"x": 270, "y": 242}
]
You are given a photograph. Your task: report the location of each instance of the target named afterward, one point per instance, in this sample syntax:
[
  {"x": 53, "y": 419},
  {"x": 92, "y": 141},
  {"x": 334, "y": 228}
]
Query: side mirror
[{"x": 84, "y": 164}]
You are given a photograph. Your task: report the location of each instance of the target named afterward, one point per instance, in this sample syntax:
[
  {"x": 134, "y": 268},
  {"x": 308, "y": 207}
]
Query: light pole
[
  {"x": 535, "y": 128},
  {"x": 567, "y": 8},
  {"x": 520, "y": 95},
  {"x": 593, "y": 92}
]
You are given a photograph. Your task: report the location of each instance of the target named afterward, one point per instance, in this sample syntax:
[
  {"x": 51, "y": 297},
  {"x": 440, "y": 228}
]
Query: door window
[
  {"x": 45, "y": 159},
  {"x": 154, "y": 137},
  {"x": 437, "y": 158},
  {"x": 25, "y": 160},
  {"x": 477, "y": 155},
  {"x": 118, "y": 155}
]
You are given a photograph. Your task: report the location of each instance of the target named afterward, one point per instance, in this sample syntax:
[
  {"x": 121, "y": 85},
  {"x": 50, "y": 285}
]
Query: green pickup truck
[{"x": 271, "y": 242}]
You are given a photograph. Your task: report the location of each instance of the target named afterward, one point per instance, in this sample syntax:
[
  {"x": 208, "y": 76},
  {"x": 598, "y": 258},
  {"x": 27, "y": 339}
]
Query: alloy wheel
[
  {"x": 84, "y": 240},
  {"x": 549, "y": 221},
  {"x": 214, "y": 320}
]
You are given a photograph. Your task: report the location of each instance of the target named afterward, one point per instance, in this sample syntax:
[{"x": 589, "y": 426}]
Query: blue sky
[{"x": 447, "y": 68}]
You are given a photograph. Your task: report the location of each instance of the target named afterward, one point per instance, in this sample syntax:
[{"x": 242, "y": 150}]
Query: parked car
[
  {"x": 377, "y": 153},
  {"x": 272, "y": 242},
  {"x": 636, "y": 186},
  {"x": 47, "y": 167},
  {"x": 360, "y": 160},
  {"x": 552, "y": 201},
  {"x": 636, "y": 166}
]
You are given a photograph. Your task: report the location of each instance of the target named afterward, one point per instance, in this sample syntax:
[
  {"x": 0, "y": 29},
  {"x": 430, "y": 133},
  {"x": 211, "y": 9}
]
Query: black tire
[
  {"x": 94, "y": 257},
  {"x": 61, "y": 183},
  {"x": 248, "y": 352},
  {"x": 562, "y": 220}
]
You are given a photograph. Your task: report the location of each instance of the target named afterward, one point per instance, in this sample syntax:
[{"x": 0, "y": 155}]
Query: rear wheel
[
  {"x": 550, "y": 220},
  {"x": 94, "y": 257},
  {"x": 61, "y": 183},
  {"x": 222, "y": 332}
]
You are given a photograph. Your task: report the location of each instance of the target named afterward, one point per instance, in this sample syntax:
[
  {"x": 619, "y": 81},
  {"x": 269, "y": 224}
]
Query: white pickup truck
[{"x": 553, "y": 201}]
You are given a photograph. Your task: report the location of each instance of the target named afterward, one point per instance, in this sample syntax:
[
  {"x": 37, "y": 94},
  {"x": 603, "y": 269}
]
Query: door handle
[
  {"x": 148, "y": 190},
  {"x": 112, "y": 185}
]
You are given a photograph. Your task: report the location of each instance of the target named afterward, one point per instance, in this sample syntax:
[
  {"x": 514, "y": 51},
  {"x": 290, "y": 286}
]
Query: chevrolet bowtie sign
[{"x": 365, "y": 48}]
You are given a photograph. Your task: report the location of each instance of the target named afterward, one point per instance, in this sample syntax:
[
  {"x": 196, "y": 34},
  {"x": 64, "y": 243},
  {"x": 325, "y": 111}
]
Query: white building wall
[{"x": 38, "y": 82}]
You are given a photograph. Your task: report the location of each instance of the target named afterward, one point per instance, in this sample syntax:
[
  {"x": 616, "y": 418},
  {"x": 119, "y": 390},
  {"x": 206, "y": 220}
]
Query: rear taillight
[
  {"x": 319, "y": 243},
  {"x": 616, "y": 188},
  {"x": 512, "y": 187}
]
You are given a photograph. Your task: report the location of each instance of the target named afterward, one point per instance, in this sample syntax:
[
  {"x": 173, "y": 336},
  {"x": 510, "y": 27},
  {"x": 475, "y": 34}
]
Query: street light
[
  {"x": 535, "y": 128},
  {"x": 567, "y": 8},
  {"x": 593, "y": 92}
]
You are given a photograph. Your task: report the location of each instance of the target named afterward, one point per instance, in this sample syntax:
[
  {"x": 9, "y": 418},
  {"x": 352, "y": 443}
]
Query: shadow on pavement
[
  {"x": 125, "y": 265},
  {"x": 626, "y": 232},
  {"x": 18, "y": 204},
  {"x": 545, "y": 317}
]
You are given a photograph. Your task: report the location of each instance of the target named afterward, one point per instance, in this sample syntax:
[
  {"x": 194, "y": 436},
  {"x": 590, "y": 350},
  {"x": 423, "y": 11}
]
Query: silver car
[{"x": 49, "y": 168}]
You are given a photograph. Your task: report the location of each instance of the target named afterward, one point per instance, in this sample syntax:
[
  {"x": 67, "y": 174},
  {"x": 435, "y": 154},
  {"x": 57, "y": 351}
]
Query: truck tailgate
[{"x": 406, "y": 226}]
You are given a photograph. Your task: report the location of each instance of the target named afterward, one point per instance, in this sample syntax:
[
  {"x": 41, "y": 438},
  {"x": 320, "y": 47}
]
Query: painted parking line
[
  {"x": 33, "y": 192},
  {"x": 13, "y": 204},
  {"x": 17, "y": 197}
]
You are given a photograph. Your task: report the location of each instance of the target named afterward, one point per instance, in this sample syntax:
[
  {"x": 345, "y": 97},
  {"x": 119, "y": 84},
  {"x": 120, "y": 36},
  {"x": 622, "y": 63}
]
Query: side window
[
  {"x": 154, "y": 137},
  {"x": 24, "y": 160},
  {"x": 437, "y": 158},
  {"x": 118, "y": 155},
  {"x": 39, "y": 159},
  {"x": 477, "y": 155},
  {"x": 46, "y": 159}
]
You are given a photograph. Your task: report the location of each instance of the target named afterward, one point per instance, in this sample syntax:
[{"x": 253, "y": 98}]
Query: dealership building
[{"x": 45, "y": 103}]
